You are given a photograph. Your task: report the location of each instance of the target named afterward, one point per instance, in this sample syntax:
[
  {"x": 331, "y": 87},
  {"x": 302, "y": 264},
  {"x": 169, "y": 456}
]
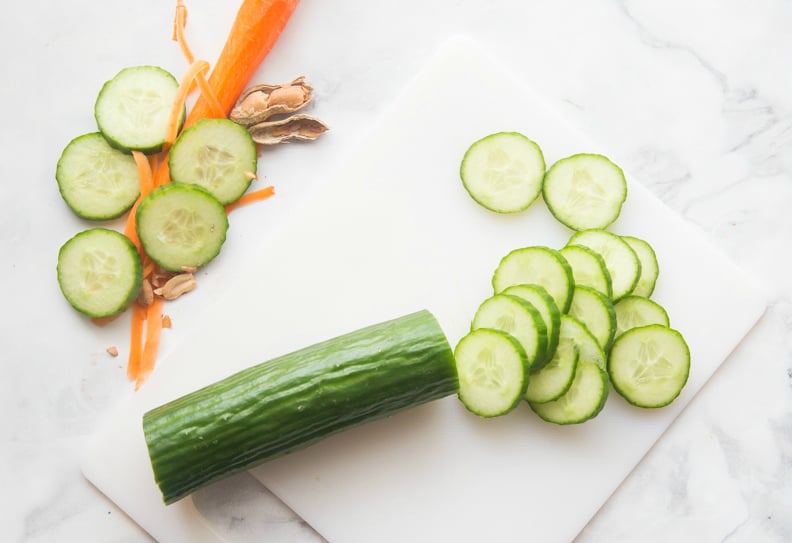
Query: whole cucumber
[{"x": 291, "y": 401}]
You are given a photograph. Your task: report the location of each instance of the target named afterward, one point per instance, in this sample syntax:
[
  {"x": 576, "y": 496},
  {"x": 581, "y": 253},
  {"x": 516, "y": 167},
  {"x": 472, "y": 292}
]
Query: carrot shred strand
[
  {"x": 206, "y": 90},
  {"x": 147, "y": 183},
  {"x": 178, "y": 101},
  {"x": 144, "y": 172},
  {"x": 250, "y": 197},
  {"x": 148, "y": 357},
  {"x": 255, "y": 29},
  {"x": 135, "y": 341},
  {"x": 179, "y": 24},
  {"x": 148, "y": 267}
]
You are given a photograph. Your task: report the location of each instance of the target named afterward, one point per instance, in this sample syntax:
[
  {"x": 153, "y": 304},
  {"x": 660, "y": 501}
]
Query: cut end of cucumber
[
  {"x": 99, "y": 272},
  {"x": 216, "y": 154},
  {"x": 585, "y": 191},
  {"x": 133, "y": 108},
  {"x": 181, "y": 226},
  {"x": 97, "y": 181},
  {"x": 493, "y": 372},
  {"x": 503, "y": 172}
]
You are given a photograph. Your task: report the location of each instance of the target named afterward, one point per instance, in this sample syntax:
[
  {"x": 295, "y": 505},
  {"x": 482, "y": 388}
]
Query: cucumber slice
[
  {"x": 217, "y": 154},
  {"x": 585, "y": 191},
  {"x": 620, "y": 259},
  {"x": 650, "y": 268},
  {"x": 99, "y": 272},
  {"x": 518, "y": 318},
  {"x": 589, "y": 348},
  {"x": 133, "y": 108},
  {"x": 552, "y": 381},
  {"x": 633, "y": 311},
  {"x": 97, "y": 181},
  {"x": 503, "y": 172},
  {"x": 588, "y": 268},
  {"x": 583, "y": 401},
  {"x": 493, "y": 372},
  {"x": 537, "y": 265},
  {"x": 181, "y": 226},
  {"x": 649, "y": 365},
  {"x": 537, "y": 296},
  {"x": 595, "y": 311}
]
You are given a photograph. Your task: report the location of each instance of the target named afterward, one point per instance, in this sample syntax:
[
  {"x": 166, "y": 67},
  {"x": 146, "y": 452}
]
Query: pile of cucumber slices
[
  {"x": 180, "y": 225},
  {"x": 565, "y": 324}
]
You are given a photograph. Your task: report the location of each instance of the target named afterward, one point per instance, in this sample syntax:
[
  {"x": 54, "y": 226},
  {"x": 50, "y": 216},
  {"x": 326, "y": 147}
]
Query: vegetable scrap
[{"x": 264, "y": 110}]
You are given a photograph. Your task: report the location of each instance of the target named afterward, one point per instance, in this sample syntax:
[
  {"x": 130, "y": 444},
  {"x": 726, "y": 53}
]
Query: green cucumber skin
[{"x": 297, "y": 399}]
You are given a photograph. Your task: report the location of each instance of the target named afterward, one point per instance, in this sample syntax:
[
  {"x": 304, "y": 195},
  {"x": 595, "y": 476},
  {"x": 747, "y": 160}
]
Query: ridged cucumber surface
[{"x": 287, "y": 403}]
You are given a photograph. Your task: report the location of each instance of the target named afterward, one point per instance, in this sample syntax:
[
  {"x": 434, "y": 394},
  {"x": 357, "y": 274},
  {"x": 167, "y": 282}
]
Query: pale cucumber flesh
[{"x": 181, "y": 226}]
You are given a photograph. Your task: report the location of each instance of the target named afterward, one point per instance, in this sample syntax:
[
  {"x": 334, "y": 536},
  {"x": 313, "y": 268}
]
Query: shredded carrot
[
  {"x": 129, "y": 229},
  {"x": 148, "y": 267},
  {"x": 144, "y": 172},
  {"x": 172, "y": 129},
  {"x": 148, "y": 357},
  {"x": 256, "y": 28},
  {"x": 179, "y": 23},
  {"x": 145, "y": 166},
  {"x": 154, "y": 161},
  {"x": 136, "y": 340},
  {"x": 250, "y": 197}
]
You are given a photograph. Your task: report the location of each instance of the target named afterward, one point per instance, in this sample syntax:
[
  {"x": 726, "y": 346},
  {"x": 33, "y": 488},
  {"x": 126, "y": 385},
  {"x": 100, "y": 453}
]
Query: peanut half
[{"x": 176, "y": 286}]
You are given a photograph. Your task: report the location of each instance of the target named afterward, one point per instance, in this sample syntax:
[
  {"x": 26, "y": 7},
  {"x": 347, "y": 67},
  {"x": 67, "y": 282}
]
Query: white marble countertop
[{"x": 695, "y": 98}]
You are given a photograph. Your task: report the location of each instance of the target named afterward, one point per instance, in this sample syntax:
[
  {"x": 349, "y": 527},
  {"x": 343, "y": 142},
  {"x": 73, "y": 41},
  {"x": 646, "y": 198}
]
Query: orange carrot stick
[
  {"x": 153, "y": 329},
  {"x": 258, "y": 25},
  {"x": 250, "y": 197}
]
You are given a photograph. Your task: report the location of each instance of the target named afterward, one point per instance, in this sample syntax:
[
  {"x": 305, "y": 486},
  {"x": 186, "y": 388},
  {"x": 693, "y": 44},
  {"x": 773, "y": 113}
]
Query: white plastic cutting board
[{"x": 392, "y": 232}]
